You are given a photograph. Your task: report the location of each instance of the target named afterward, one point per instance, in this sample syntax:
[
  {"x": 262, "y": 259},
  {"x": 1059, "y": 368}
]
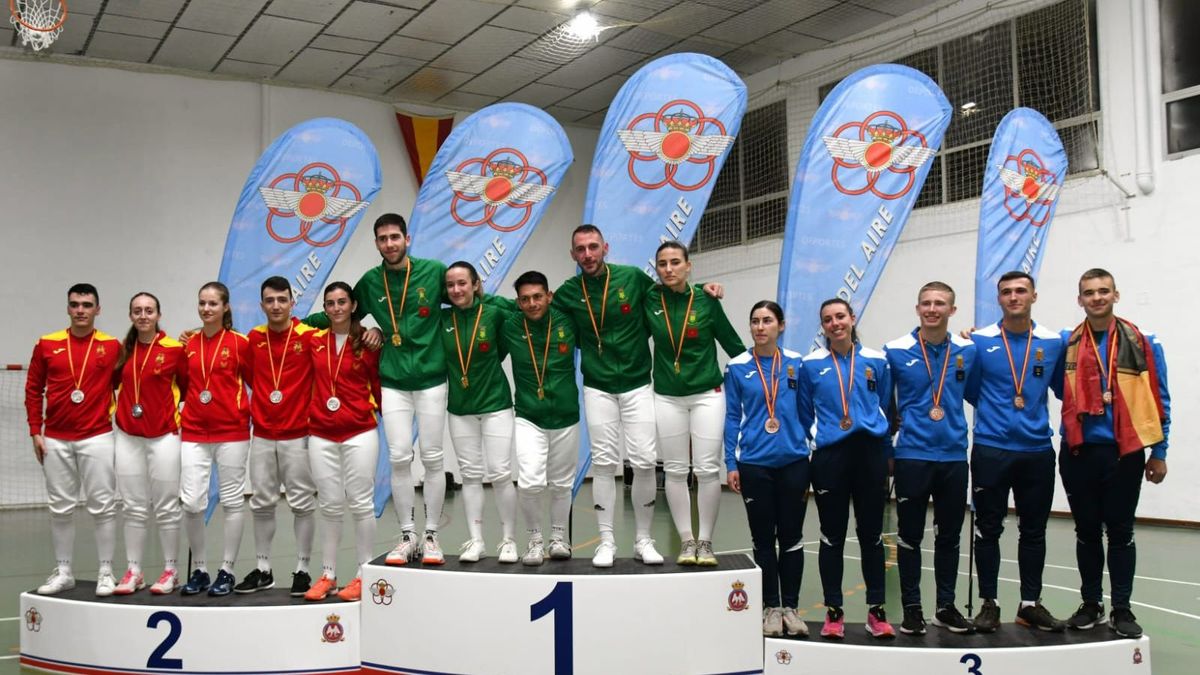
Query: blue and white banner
[
  {"x": 488, "y": 187},
  {"x": 1021, "y": 183},
  {"x": 664, "y": 139},
  {"x": 867, "y": 153},
  {"x": 296, "y": 212}
]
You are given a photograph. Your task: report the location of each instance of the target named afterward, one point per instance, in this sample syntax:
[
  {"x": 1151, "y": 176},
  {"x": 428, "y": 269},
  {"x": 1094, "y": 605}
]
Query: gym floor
[{"x": 1166, "y": 591}]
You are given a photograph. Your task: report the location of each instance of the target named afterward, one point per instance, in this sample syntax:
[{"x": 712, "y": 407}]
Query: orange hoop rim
[{"x": 12, "y": 8}]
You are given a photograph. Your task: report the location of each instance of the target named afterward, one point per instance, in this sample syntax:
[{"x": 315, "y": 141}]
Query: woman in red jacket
[{"x": 343, "y": 444}]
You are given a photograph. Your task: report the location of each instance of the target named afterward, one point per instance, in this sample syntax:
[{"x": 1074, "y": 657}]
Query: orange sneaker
[
  {"x": 353, "y": 591},
  {"x": 321, "y": 589}
]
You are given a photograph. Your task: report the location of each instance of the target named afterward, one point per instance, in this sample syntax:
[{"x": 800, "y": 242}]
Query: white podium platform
[
  {"x": 1011, "y": 650},
  {"x": 563, "y": 617},
  {"x": 266, "y": 632}
]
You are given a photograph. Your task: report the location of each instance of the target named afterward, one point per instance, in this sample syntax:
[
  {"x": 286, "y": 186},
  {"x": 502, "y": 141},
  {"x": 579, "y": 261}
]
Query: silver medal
[
  {"x": 206, "y": 397},
  {"x": 333, "y": 404},
  {"x": 137, "y": 410},
  {"x": 77, "y": 396},
  {"x": 276, "y": 396}
]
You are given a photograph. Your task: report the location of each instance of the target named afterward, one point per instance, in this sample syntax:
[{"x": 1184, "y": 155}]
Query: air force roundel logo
[
  {"x": 313, "y": 197},
  {"x": 506, "y": 184},
  {"x": 673, "y": 137},
  {"x": 883, "y": 146},
  {"x": 1029, "y": 187}
]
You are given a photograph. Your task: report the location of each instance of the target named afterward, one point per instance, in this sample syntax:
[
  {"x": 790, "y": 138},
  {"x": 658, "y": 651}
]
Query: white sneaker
[
  {"x": 105, "y": 585},
  {"x": 506, "y": 552},
  {"x": 405, "y": 549},
  {"x": 793, "y": 624},
  {"x": 772, "y": 622},
  {"x": 559, "y": 550},
  {"x": 472, "y": 550},
  {"x": 56, "y": 583},
  {"x": 431, "y": 550},
  {"x": 644, "y": 551},
  {"x": 605, "y": 553},
  {"x": 534, "y": 555}
]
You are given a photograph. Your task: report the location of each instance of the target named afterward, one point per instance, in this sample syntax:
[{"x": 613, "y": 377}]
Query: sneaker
[
  {"x": 105, "y": 584},
  {"x": 988, "y": 618},
  {"x": 197, "y": 583},
  {"x": 431, "y": 550},
  {"x": 772, "y": 622},
  {"x": 914, "y": 621},
  {"x": 471, "y": 551},
  {"x": 353, "y": 591},
  {"x": 605, "y": 553},
  {"x": 687, "y": 553},
  {"x": 948, "y": 617},
  {"x": 1037, "y": 616},
  {"x": 644, "y": 551},
  {"x": 167, "y": 581},
  {"x": 56, "y": 583},
  {"x": 835, "y": 624},
  {"x": 1124, "y": 623},
  {"x": 877, "y": 624},
  {"x": 704, "y": 554},
  {"x": 131, "y": 582},
  {"x": 506, "y": 552},
  {"x": 301, "y": 582},
  {"x": 257, "y": 580},
  {"x": 223, "y": 585},
  {"x": 1087, "y": 616},
  {"x": 793, "y": 624},
  {"x": 321, "y": 589},
  {"x": 559, "y": 549},
  {"x": 405, "y": 549},
  {"x": 535, "y": 555}
]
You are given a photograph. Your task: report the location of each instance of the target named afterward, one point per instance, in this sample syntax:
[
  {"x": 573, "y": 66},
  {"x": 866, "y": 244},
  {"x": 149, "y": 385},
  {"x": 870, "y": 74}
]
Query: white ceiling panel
[
  {"x": 121, "y": 47},
  {"x": 567, "y": 115},
  {"x": 75, "y": 34},
  {"x": 399, "y": 45},
  {"x": 318, "y": 67},
  {"x": 528, "y": 20},
  {"x": 363, "y": 85},
  {"x": 767, "y": 17},
  {"x": 621, "y": 11},
  {"x": 698, "y": 45},
  {"x": 652, "y": 4},
  {"x": 317, "y": 11},
  {"x": 642, "y": 40},
  {"x": 387, "y": 68},
  {"x": 158, "y": 10},
  {"x": 127, "y": 25},
  {"x": 597, "y": 96},
  {"x": 732, "y": 5},
  {"x": 840, "y": 22},
  {"x": 193, "y": 50},
  {"x": 246, "y": 69},
  {"x": 228, "y": 17},
  {"x": 430, "y": 84},
  {"x": 540, "y": 95},
  {"x": 449, "y": 20},
  {"x": 341, "y": 44},
  {"x": 566, "y": 6},
  {"x": 410, "y": 4},
  {"x": 686, "y": 19},
  {"x": 507, "y": 76},
  {"x": 596, "y": 119},
  {"x": 274, "y": 39},
  {"x": 466, "y": 101},
  {"x": 747, "y": 61},
  {"x": 896, "y": 7},
  {"x": 482, "y": 49},
  {"x": 787, "y": 43},
  {"x": 81, "y": 7},
  {"x": 369, "y": 21},
  {"x": 7, "y": 35},
  {"x": 593, "y": 66}
]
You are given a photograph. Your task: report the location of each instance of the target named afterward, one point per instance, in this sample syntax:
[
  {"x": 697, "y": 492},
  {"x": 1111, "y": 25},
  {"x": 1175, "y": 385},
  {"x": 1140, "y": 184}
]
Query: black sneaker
[
  {"x": 257, "y": 580},
  {"x": 1037, "y": 616},
  {"x": 1087, "y": 616},
  {"x": 301, "y": 582},
  {"x": 1124, "y": 623},
  {"x": 988, "y": 618},
  {"x": 223, "y": 585},
  {"x": 948, "y": 617},
  {"x": 914, "y": 621}
]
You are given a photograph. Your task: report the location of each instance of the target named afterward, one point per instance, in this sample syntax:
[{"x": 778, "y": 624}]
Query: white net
[
  {"x": 38, "y": 22},
  {"x": 21, "y": 482}
]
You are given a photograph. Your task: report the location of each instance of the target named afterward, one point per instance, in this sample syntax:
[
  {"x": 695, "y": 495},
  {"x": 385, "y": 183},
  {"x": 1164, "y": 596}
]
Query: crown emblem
[
  {"x": 679, "y": 121},
  {"x": 884, "y": 132},
  {"x": 738, "y": 585},
  {"x": 1032, "y": 170},
  {"x": 504, "y": 167},
  {"x": 333, "y": 618},
  {"x": 317, "y": 182}
]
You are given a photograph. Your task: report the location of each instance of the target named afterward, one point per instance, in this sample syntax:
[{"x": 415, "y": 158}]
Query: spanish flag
[{"x": 422, "y": 138}]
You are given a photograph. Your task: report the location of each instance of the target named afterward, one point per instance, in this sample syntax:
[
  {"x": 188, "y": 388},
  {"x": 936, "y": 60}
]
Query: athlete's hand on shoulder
[
  {"x": 734, "y": 480},
  {"x": 966, "y": 333},
  {"x": 39, "y": 448},
  {"x": 714, "y": 290},
  {"x": 373, "y": 339},
  {"x": 1156, "y": 470},
  {"x": 187, "y": 334}
]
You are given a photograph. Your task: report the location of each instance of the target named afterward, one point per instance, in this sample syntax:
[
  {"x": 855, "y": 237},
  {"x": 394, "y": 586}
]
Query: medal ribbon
[
  {"x": 1019, "y": 384},
  {"x": 137, "y": 372},
  {"x": 333, "y": 374},
  {"x": 1106, "y": 373},
  {"x": 275, "y": 378},
  {"x": 773, "y": 394},
  {"x": 466, "y": 365},
  {"x": 387, "y": 291},
  {"x": 842, "y": 389},
  {"x": 71, "y": 360},
  {"x": 207, "y": 374},
  {"x": 541, "y": 377},
  {"x": 682, "y": 327},
  {"x": 937, "y": 395},
  {"x": 603, "y": 305}
]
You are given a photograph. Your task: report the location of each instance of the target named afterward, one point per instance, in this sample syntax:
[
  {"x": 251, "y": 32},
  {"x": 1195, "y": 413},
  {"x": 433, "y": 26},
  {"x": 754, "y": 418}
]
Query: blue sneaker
[
  {"x": 197, "y": 583},
  {"x": 223, "y": 585}
]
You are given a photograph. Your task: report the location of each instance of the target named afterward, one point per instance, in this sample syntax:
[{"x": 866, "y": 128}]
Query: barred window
[{"x": 1180, "y": 75}]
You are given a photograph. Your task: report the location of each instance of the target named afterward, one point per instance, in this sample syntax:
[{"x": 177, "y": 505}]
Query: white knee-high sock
[
  {"x": 264, "y": 534},
  {"x": 680, "y": 504},
  {"x": 643, "y": 494},
  {"x": 402, "y": 494},
  {"x": 331, "y": 539},
  {"x": 506, "y": 504},
  {"x": 433, "y": 491},
  {"x": 168, "y": 537},
  {"x": 473, "y": 505},
  {"x": 235, "y": 525},
  {"x": 305, "y": 527},
  {"x": 531, "y": 511},
  {"x": 135, "y": 544},
  {"x": 62, "y": 534},
  {"x": 194, "y": 524},
  {"x": 560, "y": 511},
  {"x": 604, "y": 494},
  {"x": 708, "y": 503},
  {"x": 106, "y": 541},
  {"x": 364, "y": 538}
]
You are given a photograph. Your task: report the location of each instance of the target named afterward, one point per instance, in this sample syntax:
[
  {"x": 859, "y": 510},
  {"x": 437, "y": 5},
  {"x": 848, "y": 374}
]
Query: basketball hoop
[{"x": 38, "y": 22}]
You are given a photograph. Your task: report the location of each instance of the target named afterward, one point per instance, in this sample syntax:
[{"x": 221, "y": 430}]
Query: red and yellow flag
[{"x": 422, "y": 138}]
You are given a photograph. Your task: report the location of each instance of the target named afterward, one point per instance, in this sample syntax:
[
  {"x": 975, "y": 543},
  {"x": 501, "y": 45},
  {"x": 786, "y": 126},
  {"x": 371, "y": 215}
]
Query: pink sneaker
[
  {"x": 129, "y": 583},
  {"x": 877, "y": 624},
  {"x": 166, "y": 584},
  {"x": 835, "y": 624}
]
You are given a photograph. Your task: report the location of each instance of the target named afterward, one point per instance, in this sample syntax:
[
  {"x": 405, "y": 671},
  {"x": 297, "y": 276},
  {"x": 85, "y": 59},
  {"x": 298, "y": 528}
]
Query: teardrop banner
[
  {"x": 867, "y": 153},
  {"x": 1021, "y": 183}
]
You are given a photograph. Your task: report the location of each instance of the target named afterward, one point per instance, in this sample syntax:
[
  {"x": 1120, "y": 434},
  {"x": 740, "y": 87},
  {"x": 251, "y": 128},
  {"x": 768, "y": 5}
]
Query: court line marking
[
  {"x": 6, "y": 658},
  {"x": 11, "y": 618}
]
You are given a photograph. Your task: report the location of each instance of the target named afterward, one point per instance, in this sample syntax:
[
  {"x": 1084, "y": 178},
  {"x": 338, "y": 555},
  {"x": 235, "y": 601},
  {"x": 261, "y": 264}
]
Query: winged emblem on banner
[
  {"x": 880, "y": 153},
  {"x": 677, "y": 143},
  {"x": 1027, "y": 184},
  {"x": 500, "y": 187},
  {"x": 312, "y": 204}
]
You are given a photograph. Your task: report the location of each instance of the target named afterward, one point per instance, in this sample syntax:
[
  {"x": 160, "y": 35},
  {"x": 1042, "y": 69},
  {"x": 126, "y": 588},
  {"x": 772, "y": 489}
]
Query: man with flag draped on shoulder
[
  {"x": 1020, "y": 362},
  {"x": 1115, "y": 405},
  {"x": 404, "y": 295}
]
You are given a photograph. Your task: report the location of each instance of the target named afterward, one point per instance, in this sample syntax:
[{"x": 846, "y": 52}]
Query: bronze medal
[
  {"x": 936, "y": 413},
  {"x": 772, "y": 425},
  {"x": 846, "y": 423},
  {"x": 1107, "y": 397},
  {"x": 1019, "y": 402}
]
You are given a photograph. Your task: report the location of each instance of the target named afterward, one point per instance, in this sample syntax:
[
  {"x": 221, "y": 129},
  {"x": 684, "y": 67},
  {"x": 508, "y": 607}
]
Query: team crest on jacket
[
  {"x": 885, "y": 148},
  {"x": 317, "y": 194},
  {"x": 505, "y": 182},
  {"x": 382, "y": 592},
  {"x": 1029, "y": 187},
  {"x": 738, "y": 600},
  {"x": 677, "y": 135},
  {"x": 333, "y": 631},
  {"x": 33, "y": 620}
]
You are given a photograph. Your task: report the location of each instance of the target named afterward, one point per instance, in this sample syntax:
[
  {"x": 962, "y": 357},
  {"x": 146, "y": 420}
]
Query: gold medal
[
  {"x": 465, "y": 382},
  {"x": 539, "y": 375},
  {"x": 772, "y": 425},
  {"x": 465, "y": 364},
  {"x": 662, "y": 298},
  {"x": 541, "y": 393},
  {"x": 846, "y": 423},
  {"x": 396, "y": 340},
  {"x": 387, "y": 292},
  {"x": 936, "y": 413},
  {"x": 598, "y": 329},
  {"x": 676, "y": 366}
]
